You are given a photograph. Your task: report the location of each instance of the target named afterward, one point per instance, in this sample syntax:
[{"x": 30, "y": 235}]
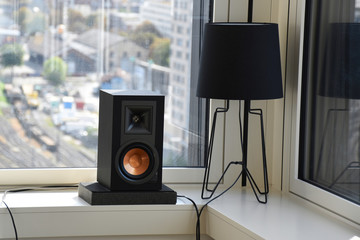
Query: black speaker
[{"x": 130, "y": 141}]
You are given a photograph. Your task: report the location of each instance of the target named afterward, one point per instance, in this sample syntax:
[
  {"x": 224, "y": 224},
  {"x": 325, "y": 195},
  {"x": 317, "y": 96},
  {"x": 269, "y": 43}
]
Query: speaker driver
[{"x": 136, "y": 161}]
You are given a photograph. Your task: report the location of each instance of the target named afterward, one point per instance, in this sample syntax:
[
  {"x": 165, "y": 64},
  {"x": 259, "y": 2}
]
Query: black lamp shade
[
  {"x": 341, "y": 71},
  {"x": 240, "y": 61}
]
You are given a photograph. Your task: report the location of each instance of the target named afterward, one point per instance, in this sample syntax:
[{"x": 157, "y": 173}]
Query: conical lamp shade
[{"x": 240, "y": 61}]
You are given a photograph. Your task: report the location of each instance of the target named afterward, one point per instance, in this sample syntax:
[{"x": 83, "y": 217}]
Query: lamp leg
[
  {"x": 209, "y": 154},
  {"x": 255, "y": 188},
  {"x": 245, "y": 141},
  {"x": 266, "y": 182},
  {"x": 245, "y": 172}
]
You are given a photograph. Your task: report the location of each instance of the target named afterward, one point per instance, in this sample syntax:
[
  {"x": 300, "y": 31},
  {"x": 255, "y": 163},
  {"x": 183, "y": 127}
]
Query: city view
[{"x": 56, "y": 56}]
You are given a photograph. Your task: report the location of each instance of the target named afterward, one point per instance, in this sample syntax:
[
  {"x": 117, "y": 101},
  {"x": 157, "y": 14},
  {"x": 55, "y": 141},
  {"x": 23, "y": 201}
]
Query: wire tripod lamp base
[{"x": 245, "y": 174}]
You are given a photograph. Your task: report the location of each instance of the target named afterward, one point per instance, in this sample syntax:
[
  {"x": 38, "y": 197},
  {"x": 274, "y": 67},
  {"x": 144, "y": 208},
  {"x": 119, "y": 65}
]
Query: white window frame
[
  {"x": 333, "y": 203},
  {"x": 70, "y": 176}
]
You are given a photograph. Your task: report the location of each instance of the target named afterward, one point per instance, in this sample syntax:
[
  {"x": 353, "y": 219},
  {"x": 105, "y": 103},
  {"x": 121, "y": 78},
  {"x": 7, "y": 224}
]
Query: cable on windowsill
[{"x": 23, "y": 190}]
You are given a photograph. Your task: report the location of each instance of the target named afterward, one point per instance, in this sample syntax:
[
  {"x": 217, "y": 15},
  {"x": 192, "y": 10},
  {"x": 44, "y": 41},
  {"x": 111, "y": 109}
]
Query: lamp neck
[{"x": 250, "y": 11}]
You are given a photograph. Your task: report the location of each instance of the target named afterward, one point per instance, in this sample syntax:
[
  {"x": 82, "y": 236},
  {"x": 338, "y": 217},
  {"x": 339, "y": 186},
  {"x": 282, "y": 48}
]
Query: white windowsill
[{"x": 236, "y": 215}]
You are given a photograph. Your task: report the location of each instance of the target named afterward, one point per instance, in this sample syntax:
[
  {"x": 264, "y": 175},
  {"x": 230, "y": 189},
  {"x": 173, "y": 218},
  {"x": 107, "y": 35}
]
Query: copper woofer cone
[{"x": 136, "y": 161}]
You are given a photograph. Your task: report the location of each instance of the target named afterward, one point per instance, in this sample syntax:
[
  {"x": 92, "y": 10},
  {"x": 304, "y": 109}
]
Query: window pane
[
  {"x": 57, "y": 54},
  {"x": 330, "y": 113}
]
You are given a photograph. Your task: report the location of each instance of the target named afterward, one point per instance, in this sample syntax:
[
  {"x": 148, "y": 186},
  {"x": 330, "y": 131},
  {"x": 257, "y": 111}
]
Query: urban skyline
[{"x": 102, "y": 46}]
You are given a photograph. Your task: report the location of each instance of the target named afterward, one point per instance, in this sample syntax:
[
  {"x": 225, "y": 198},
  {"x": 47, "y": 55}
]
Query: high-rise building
[
  {"x": 158, "y": 12},
  {"x": 180, "y": 81}
]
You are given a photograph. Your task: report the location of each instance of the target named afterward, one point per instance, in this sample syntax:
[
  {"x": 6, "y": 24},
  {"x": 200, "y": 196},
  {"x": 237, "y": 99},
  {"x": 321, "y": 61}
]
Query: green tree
[
  {"x": 143, "y": 39},
  {"x": 25, "y": 18},
  {"x": 77, "y": 21},
  {"x": 145, "y": 34},
  {"x": 12, "y": 54},
  {"x": 148, "y": 27},
  {"x": 31, "y": 21},
  {"x": 92, "y": 20},
  {"x": 55, "y": 70},
  {"x": 160, "y": 51},
  {"x": 37, "y": 24},
  {"x": 96, "y": 20}
]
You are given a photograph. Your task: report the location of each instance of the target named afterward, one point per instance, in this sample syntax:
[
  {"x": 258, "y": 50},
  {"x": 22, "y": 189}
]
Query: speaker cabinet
[{"x": 130, "y": 140}]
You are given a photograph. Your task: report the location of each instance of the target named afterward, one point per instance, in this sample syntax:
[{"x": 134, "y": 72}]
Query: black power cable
[
  {"x": 199, "y": 212},
  {"x": 23, "y": 190},
  {"x": 197, "y": 234},
  {"x": 12, "y": 219}
]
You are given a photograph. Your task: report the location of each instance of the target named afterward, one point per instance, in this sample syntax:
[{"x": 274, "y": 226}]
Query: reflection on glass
[
  {"x": 56, "y": 55},
  {"x": 330, "y": 144}
]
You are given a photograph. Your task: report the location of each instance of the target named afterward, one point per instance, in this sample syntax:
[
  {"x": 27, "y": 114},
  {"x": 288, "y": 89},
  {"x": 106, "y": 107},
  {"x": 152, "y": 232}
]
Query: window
[
  {"x": 178, "y": 54},
  {"x": 179, "y": 42},
  {"x": 330, "y": 123},
  {"x": 56, "y": 57},
  {"x": 180, "y": 29},
  {"x": 325, "y": 159}
]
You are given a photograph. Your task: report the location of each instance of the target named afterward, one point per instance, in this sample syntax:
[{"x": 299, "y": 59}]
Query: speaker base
[{"x": 97, "y": 194}]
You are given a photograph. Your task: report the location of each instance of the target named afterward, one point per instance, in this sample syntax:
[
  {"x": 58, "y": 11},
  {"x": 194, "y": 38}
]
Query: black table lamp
[{"x": 240, "y": 61}]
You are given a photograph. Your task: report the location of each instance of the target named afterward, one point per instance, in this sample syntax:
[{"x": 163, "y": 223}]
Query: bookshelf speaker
[{"x": 130, "y": 141}]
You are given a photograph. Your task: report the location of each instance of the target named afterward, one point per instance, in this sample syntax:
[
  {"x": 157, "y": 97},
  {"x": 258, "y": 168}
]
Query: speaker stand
[{"x": 97, "y": 194}]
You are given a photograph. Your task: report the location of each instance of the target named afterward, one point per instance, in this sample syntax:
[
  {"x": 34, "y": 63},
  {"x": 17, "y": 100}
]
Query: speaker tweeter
[{"x": 138, "y": 120}]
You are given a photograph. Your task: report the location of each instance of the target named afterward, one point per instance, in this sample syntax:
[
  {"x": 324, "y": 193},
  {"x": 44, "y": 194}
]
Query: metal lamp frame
[{"x": 245, "y": 173}]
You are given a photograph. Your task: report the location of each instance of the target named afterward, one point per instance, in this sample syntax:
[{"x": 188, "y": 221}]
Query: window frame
[
  {"x": 347, "y": 210},
  {"x": 180, "y": 175}
]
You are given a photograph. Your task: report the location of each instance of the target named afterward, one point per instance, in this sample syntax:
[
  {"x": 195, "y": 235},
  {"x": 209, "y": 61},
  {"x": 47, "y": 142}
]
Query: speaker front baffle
[{"x": 130, "y": 147}]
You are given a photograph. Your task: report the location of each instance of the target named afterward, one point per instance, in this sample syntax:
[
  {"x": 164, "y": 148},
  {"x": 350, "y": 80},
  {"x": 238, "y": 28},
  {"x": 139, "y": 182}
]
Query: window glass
[
  {"x": 330, "y": 111},
  {"x": 57, "y": 54}
]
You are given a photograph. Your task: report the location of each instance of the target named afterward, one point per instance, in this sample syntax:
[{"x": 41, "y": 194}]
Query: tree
[
  {"x": 12, "y": 54},
  {"x": 55, "y": 70},
  {"x": 96, "y": 20},
  {"x": 31, "y": 21},
  {"x": 77, "y": 21},
  {"x": 145, "y": 34},
  {"x": 25, "y": 18},
  {"x": 160, "y": 51},
  {"x": 148, "y": 27},
  {"x": 37, "y": 24},
  {"x": 143, "y": 39}
]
